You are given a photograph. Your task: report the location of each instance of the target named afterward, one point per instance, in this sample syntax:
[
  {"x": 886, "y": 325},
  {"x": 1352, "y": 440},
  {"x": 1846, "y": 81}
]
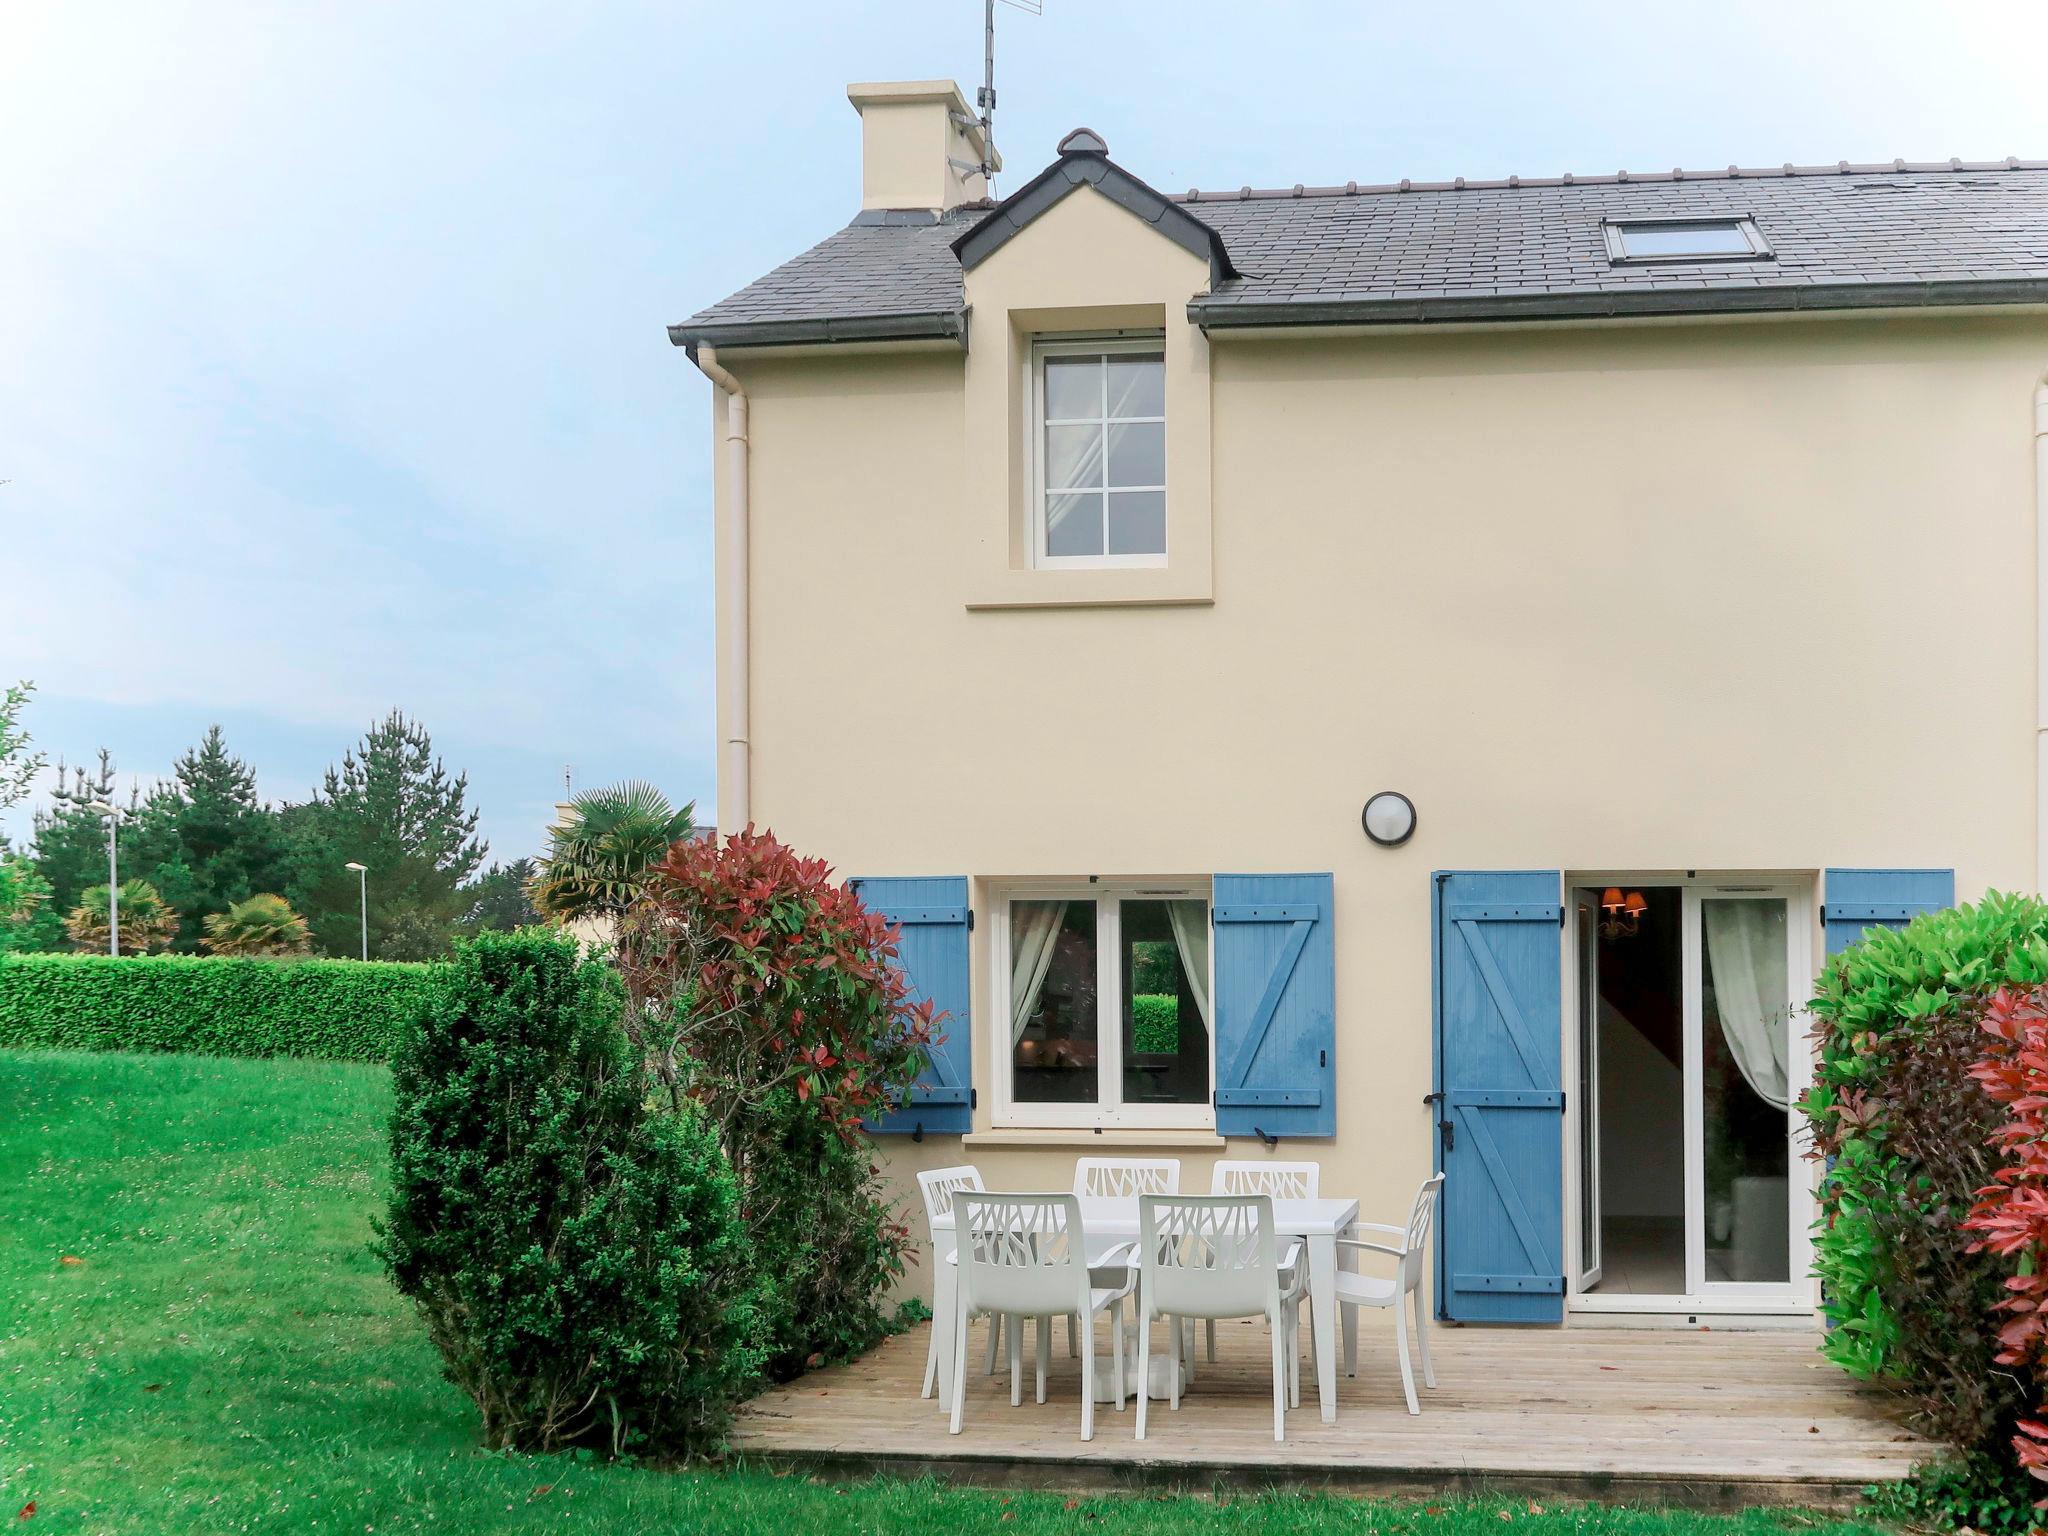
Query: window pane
[
  {"x": 1073, "y": 387},
  {"x": 1137, "y": 454},
  {"x": 1746, "y": 1049},
  {"x": 1073, "y": 524},
  {"x": 1073, "y": 456},
  {"x": 1137, "y": 523},
  {"x": 1684, "y": 240},
  {"x": 1165, "y": 1002},
  {"x": 1053, "y": 1002},
  {"x": 1137, "y": 385}
]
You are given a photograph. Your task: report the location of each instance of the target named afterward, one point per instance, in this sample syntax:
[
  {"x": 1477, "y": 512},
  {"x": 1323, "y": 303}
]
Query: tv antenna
[{"x": 985, "y": 98}]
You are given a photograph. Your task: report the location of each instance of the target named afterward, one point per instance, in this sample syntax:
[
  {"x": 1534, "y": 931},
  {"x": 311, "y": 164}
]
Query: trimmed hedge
[
  {"x": 343, "y": 1010},
  {"x": 1155, "y": 1023}
]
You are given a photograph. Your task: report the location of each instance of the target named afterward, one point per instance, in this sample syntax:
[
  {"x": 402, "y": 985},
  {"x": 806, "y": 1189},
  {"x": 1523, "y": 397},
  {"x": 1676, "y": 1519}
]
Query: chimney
[{"x": 920, "y": 145}]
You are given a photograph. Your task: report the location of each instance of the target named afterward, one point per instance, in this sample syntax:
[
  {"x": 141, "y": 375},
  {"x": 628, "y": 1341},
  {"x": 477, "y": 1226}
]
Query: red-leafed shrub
[
  {"x": 768, "y": 994},
  {"x": 2011, "y": 1213}
]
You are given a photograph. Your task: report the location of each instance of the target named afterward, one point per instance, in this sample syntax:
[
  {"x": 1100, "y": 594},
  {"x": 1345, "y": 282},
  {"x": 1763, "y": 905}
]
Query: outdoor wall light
[{"x": 1389, "y": 818}]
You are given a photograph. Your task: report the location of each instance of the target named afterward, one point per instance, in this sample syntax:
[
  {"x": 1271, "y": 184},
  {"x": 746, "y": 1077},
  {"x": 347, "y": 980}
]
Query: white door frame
[{"x": 1801, "y": 1294}]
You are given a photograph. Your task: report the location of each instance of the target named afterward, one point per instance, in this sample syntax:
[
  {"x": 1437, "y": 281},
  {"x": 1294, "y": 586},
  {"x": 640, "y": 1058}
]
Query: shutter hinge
[
  {"x": 970, "y": 919},
  {"x": 1322, "y": 1059},
  {"x": 974, "y": 1098}
]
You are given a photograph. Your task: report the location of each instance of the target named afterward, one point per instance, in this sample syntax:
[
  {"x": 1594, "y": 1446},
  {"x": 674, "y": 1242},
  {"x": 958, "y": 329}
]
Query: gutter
[
  {"x": 2041, "y": 634},
  {"x": 1226, "y": 313},
  {"x": 943, "y": 325},
  {"x": 735, "y": 765}
]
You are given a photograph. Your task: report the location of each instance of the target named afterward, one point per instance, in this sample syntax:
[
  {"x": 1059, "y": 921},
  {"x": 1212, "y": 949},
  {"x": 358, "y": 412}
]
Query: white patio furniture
[
  {"x": 1410, "y": 1255},
  {"x": 1103, "y": 1184},
  {"x": 1283, "y": 1181},
  {"x": 1317, "y": 1224},
  {"x": 1212, "y": 1256},
  {"x": 1026, "y": 1256},
  {"x": 939, "y": 1186}
]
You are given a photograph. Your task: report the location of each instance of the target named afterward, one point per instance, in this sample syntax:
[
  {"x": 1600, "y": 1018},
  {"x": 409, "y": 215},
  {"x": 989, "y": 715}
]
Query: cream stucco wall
[{"x": 1743, "y": 596}]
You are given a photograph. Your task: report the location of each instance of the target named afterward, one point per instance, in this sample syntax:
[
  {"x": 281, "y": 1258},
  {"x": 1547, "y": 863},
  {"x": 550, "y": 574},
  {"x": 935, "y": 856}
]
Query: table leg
[
  {"x": 945, "y": 1298},
  {"x": 1322, "y": 1294}
]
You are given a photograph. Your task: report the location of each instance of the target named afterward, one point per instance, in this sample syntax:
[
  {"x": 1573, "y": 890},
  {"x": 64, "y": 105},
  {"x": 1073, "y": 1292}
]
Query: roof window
[{"x": 1654, "y": 240}]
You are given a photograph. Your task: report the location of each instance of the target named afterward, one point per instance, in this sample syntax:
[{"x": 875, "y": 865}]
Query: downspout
[
  {"x": 735, "y": 811},
  {"x": 2041, "y": 634}
]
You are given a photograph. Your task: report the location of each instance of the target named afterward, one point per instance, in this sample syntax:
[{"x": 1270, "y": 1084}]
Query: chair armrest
[
  {"x": 1359, "y": 1242},
  {"x": 1378, "y": 1226},
  {"x": 1124, "y": 1253}
]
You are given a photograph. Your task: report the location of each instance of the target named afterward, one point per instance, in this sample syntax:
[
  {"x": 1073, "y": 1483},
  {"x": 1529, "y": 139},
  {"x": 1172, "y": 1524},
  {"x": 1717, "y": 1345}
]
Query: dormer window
[
  {"x": 1642, "y": 241},
  {"x": 1100, "y": 453}
]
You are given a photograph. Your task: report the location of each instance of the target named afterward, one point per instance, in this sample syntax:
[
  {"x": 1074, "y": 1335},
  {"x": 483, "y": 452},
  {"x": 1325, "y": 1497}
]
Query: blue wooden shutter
[
  {"x": 1500, "y": 1105},
  {"x": 1855, "y": 899},
  {"x": 1276, "y": 1006},
  {"x": 932, "y": 912}
]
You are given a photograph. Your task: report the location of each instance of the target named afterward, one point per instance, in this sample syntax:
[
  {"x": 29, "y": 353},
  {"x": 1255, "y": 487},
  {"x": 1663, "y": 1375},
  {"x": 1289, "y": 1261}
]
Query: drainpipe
[
  {"x": 2041, "y": 634},
  {"x": 734, "y": 809}
]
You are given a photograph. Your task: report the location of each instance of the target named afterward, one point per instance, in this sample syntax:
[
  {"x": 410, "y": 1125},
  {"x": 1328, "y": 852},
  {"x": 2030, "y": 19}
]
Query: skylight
[{"x": 1645, "y": 240}]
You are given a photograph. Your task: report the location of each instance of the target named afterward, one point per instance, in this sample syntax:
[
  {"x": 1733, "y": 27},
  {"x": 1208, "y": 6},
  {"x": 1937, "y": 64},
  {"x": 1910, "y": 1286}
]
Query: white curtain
[
  {"x": 1191, "y": 937},
  {"x": 1746, "y": 947},
  {"x": 1034, "y": 925}
]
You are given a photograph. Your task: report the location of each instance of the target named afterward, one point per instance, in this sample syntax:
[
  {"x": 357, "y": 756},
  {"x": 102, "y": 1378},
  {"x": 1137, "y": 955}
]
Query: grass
[{"x": 195, "y": 1336}]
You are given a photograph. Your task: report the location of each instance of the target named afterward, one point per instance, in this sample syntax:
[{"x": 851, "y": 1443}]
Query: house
[{"x": 1415, "y": 676}]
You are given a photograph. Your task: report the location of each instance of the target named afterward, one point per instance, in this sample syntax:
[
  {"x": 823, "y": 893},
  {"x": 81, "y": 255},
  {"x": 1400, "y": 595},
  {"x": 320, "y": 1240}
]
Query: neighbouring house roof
[{"x": 1842, "y": 236}]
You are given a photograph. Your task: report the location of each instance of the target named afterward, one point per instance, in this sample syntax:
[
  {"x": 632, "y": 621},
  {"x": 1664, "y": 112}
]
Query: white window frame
[
  {"x": 1109, "y": 1112},
  {"x": 1095, "y": 346},
  {"x": 1616, "y": 232}
]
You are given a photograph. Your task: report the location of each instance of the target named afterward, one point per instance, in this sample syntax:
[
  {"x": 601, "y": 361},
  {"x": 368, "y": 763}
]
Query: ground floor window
[{"x": 1103, "y": 1002}]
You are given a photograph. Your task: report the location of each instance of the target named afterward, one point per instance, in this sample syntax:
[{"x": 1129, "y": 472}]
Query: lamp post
[
  {"x": 113, "y": 814},
  {"x": 363, "y": 880}
]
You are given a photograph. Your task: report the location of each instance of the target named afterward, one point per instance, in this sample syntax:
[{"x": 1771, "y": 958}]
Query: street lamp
[
  {"x": 363, "y": 879},
  {"x": 113, "y": 814}
]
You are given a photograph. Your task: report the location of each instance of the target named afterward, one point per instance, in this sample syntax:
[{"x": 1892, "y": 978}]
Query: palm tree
[
  {"x": 262, "y": 925},
  {"x": 597, "y": 859},
  {"x": 147, "y": 922}
]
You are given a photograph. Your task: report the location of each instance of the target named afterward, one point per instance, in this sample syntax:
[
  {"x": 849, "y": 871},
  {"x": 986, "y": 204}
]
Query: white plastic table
[{"x": 1105, "y": 1223}]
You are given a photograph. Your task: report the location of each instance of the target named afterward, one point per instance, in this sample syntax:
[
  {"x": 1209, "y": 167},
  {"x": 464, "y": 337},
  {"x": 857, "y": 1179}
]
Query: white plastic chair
[
  {"x": 940, "y": 1186},
  {"x": 1411, "y": 1256},
  {"x": 1213, "y": 1256},
  {"x": 1283, "y": 1181},
  {"x": 1102, "y": 1184},
  {"x": 1026, "y": 1255}
]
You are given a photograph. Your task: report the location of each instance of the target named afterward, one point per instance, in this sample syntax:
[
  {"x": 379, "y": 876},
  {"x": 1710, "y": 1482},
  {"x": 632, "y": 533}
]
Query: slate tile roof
[{"x": 1878, "y": 235}]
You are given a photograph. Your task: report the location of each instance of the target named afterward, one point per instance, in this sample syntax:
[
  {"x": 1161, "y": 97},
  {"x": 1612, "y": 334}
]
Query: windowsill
[
  {"x": 1183, "y": 1136},
  {"x": 1052, "y": 587}
]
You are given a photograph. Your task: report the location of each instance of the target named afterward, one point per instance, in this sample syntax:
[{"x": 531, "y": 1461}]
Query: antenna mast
[{"x": 985, "y": 98}]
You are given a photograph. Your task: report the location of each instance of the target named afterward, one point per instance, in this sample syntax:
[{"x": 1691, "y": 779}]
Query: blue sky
[{"x": 332, "y": 371}]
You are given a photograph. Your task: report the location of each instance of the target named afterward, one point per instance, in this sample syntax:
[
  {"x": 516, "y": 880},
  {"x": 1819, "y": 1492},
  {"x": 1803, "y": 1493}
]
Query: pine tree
[
  {"x": 393, "y": 806},
  {"x": 205, "y": 839},
  {"x": 71, "y": 837},
  {"x": 498, "y": 898}
]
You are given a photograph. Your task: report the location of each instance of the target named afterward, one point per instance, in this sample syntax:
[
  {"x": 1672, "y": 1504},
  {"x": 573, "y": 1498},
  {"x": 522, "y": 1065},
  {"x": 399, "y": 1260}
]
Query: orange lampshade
[
  {"x": 1635, "y": 905},
  {"x": 1611, "y": 898}
]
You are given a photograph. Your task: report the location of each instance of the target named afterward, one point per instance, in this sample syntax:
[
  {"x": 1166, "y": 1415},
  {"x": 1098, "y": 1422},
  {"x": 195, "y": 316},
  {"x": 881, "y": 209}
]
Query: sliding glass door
[
  {"x": 1688, "y": 1057},
  {"x": 1742, "y": 1181}
]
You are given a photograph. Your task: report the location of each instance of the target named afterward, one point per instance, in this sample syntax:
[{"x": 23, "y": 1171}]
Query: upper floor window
[
  {"x": 1684, "y": 240},
  {"x": 1099, "y": 465}
]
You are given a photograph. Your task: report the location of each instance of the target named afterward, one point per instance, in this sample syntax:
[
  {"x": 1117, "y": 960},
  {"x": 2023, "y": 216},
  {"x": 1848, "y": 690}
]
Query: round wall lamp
[{"x": 1389, "y": 818}]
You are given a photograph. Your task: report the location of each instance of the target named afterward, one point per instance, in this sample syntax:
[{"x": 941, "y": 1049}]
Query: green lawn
[{"x": 195, "y": 1337}]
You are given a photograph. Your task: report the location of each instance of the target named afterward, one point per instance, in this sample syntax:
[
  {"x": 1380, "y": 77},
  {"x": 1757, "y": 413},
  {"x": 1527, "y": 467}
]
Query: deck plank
[{"x": 1716, "y": 1418}]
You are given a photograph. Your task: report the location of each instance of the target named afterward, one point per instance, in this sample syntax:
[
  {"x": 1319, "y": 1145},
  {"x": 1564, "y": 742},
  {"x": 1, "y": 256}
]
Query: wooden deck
[{"x": 1714, "y": 1419}]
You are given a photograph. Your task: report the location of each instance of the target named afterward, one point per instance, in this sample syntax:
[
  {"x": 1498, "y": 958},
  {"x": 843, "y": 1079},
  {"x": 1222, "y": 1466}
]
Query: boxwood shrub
[
  {"x": 345, "y": 1010},
  {"x": 576, "y": 1250}
]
